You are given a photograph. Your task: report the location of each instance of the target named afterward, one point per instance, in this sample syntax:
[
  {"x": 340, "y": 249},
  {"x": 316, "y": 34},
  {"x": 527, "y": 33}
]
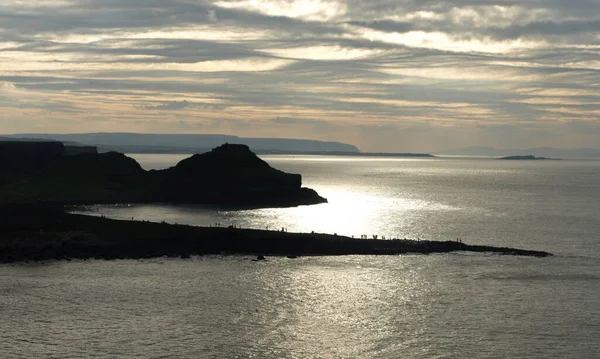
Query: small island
[{"x": 525, "y": 157}]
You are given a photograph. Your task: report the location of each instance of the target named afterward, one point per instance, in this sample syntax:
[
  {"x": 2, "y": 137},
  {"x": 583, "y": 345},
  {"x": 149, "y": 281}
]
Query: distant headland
[
  {"x": 187, "y": 143},
  {"x": 199, "y": 143},
  {"x": 230, "y": 175}
]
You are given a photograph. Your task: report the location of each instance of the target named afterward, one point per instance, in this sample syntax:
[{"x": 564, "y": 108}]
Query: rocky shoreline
[{"x": 37, "y": 233}]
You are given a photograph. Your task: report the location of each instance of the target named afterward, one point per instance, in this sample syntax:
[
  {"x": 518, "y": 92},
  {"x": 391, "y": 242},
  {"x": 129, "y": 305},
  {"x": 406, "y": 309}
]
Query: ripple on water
[{"x": 353, "y": 306}]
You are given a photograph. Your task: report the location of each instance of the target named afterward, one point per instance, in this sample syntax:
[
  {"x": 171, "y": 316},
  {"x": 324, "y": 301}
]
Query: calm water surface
[{"x": 437, "y": 306}]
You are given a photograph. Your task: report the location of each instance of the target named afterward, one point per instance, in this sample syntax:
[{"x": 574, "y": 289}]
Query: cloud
[
  {"x": 384, "y": 75},
  {"x": 589, "y": 127},
  {"x": 320, "y": 10},
  {"x": 9, "y": 94},
  {"x": 6, "y": 87},
  {"x": 168, "y": 106},
  {"x": 212, "y": 15},
  {"x": 290, "y": 121}
]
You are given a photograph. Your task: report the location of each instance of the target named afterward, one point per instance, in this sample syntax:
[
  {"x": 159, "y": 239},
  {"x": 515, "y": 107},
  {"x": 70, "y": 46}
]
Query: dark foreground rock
[
  {"x": 229, "y": 175},
  {"x": 21, "y": 160},
  {"x": 33, "y": 233}
]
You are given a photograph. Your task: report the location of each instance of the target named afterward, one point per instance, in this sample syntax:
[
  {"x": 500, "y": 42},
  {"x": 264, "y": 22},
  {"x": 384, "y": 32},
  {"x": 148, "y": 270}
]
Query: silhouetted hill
[
  {"x": 228, "y": 175},
  {"x": 83, "y": 178},
  {"x": 231, "y": 174},
  {"x": 19, "y": 160},
  {"x": 75, "y": 149},
  {"x": 190, "y": 143},
  {"x": 538, "y": 152}
]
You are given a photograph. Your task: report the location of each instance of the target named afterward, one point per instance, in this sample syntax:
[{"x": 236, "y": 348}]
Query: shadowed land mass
[
  {"x": 230, "y": 174},
  {"x": 40, "y": 178},
  {"x": 188, "y": 143},
  {"x": 35, "y": 232}
]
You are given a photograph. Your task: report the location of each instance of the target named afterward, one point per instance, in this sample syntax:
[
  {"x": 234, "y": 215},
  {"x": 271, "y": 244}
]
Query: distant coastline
[
  {"x": 551, "y": 152},
  {"x": 366, "y": 154},
  {"x": 158, "y": 151},
  {"x": 185, "y": 143},
  {"x": 526, "y": 158},
  {"x": 197, "y": 143}
]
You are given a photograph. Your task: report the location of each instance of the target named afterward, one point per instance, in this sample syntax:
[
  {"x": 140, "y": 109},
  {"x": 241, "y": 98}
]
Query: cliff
[
  {"x": 77, "y": 149},
  {"x": 21, "y": 160},
  {"x": 83, "y": 178},
  {"x": 231, "y": 174}
]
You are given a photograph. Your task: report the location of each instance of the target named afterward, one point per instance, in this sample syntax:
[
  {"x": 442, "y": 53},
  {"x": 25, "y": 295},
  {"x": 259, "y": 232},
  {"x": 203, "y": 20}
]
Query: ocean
[{"x": 459, "y": 305}]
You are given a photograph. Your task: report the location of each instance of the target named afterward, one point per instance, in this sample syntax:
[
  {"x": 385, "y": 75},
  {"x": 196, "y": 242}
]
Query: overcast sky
[{"x": 384, "y": 75}]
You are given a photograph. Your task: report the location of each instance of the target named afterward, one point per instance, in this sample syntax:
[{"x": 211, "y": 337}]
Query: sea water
[{"x": 457, "y": 305}]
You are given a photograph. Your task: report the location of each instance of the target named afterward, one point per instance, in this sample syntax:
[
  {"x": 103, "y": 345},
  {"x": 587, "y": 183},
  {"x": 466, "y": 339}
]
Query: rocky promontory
[
  {"x": 232, "y": 175},
  {"x": 42, "y": 232},
  {"x": 229, "y": 175}
]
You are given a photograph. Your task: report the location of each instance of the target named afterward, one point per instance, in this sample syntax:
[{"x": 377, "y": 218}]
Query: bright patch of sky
[
  {"x": 318, "y": 10},
  {"x": 383, "y": 75}
]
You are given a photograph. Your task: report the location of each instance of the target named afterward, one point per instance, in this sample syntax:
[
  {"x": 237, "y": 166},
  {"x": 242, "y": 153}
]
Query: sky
[{"x": 384, "y": 75}]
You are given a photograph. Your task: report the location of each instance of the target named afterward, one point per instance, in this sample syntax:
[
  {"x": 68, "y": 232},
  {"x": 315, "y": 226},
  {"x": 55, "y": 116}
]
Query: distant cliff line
[
  {"x": 197, "y": 143},
  {"x": 188, "y": 143}
]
